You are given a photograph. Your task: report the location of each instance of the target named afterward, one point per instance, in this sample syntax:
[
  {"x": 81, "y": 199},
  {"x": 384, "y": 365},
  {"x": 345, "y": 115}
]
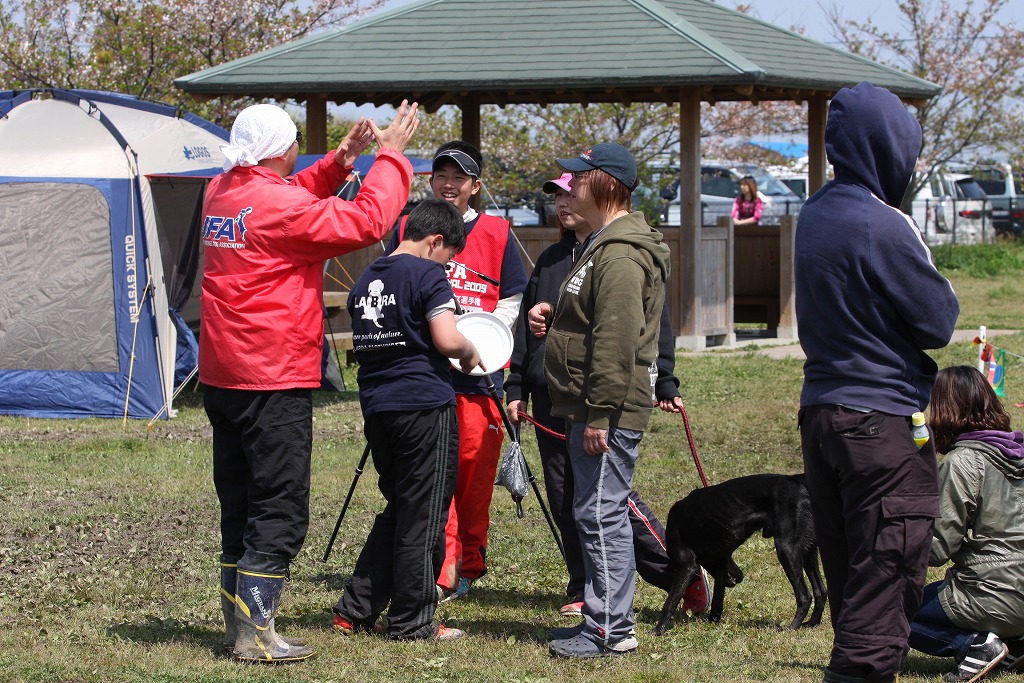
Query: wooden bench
[
  {"x": 342, "y": 341},
  {"x": 335, "y": 302},
  {"x": 756, "y": 275},
  {"x": 763, "y": 276}
]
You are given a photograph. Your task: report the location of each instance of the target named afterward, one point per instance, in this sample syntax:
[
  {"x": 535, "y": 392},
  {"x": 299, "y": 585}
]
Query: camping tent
[
  {"x": 93, "y": 253},
  {"x": 97, "y": 323}
]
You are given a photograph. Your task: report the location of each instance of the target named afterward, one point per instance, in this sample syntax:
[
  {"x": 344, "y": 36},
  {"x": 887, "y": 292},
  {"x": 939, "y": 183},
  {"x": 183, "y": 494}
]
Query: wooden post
[
  {"x": 687, "y": 281},
  {"x": 817, "y": 112},
  {"x": 728, "y": 282},
  {"x": 316, "y": 124},
  {"x": 787, "y": 284},
  {"x": 471, "y": 131}
]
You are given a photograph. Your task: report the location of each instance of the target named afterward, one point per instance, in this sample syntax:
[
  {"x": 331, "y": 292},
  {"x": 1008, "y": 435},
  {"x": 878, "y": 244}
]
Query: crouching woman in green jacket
[{"x": 976, "y": 613}]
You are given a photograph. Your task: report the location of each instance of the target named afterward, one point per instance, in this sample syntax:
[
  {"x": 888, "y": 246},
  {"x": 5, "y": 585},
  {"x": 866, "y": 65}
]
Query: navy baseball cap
[
  {"x": 610, "y": 157},
  {"x": 461, "y": 159}
]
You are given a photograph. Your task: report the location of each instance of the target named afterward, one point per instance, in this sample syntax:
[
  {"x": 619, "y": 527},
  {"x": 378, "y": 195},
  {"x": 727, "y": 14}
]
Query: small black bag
[{"x": 513, "y": 476}]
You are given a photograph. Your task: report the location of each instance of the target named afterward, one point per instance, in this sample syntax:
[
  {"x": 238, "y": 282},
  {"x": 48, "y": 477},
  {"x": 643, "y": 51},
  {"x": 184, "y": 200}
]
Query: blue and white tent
[{"x": 99, "y": 203}]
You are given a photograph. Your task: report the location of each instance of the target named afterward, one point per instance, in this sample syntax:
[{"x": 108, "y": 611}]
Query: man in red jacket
[{"x": 261, "y": 333}]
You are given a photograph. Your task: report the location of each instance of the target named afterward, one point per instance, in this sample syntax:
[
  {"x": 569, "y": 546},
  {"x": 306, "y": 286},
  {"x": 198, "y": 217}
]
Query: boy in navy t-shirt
[{"x": 403, "y": 333}]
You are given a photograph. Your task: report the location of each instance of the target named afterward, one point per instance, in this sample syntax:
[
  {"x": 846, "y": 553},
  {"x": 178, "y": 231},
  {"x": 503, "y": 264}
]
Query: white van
[
  {"x": 933, "y": 206},
  {"x": 951, "y": 207},
  {"x": 1005, "y": 196}
]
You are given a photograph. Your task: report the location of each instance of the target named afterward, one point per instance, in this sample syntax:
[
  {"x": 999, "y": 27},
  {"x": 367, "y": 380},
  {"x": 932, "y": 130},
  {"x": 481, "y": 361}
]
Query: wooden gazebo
[{"x": 474, "y": 52}]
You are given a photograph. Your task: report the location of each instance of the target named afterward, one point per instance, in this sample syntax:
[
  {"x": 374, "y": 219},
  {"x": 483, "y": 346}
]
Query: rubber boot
[
  {"x": 258, "y": 589},
  {"x": 228, "y": 579}
]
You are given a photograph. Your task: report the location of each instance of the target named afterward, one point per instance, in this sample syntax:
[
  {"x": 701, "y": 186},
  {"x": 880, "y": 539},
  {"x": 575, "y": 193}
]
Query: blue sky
[{"x": 813, "y": 14}]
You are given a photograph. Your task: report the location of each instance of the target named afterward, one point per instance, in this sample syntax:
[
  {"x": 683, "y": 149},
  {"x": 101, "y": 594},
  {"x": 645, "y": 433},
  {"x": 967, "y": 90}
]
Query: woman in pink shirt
[{"x": 746, "y": 210}]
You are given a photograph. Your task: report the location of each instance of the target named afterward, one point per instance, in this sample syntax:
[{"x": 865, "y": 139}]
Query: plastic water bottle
[{"x": 920, "y": 430}]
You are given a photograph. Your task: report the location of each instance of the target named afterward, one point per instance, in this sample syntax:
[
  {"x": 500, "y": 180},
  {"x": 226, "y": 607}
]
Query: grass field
[{"x": 108, "y": 544}]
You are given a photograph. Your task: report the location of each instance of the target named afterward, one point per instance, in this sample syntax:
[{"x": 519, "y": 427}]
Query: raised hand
[
  {"x": 397, "y": 135},
  {"x": 354, "y": 144}
]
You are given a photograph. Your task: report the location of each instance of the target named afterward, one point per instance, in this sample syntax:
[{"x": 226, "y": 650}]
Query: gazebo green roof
[
  {"x": 551, "y": 51},
  {"x": 475, "y": 52}
]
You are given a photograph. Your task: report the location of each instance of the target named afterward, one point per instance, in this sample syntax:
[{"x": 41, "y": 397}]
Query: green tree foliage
[{"x": 140, "y": 46}]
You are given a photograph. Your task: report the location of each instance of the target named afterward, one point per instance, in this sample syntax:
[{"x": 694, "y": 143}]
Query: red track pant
[{"x": 480, "y": 437}]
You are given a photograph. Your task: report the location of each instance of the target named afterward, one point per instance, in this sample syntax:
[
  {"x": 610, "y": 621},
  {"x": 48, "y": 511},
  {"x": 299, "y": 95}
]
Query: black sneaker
[
  {"x": 1014, "y": 659},
  {"x": 984, "y": 655},
  {"x": 563, "y": 633}
]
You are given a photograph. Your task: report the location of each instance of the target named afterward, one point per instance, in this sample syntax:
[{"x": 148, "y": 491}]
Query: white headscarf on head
[{"x": 262, "y": 131}]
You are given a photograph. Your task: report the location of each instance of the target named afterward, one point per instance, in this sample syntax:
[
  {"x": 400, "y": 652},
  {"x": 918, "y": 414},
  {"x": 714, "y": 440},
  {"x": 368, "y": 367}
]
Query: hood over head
[
  {"x": 1011, "y": 444},
  {"x": 1006, "y": 449},
  {"x": 871, "y": 139}
]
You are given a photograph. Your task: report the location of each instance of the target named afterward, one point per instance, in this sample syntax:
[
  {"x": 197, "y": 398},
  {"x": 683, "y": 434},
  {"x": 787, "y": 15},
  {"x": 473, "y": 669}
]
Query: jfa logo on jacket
[
  {"x": 373, "y": 304},
  {"x": 226, "y": 233}
]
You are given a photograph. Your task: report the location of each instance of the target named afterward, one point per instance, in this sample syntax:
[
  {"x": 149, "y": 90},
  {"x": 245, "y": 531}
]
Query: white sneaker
[{"x": 627, "y": 644}]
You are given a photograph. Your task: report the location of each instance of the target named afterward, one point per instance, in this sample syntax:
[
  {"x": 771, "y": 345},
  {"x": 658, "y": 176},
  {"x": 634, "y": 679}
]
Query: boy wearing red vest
[{"x": 491, "y": 253}]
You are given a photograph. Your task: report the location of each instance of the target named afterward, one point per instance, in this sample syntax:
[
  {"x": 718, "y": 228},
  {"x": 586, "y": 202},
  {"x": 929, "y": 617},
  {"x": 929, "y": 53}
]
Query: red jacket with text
[{"x": 265, "y": 242}]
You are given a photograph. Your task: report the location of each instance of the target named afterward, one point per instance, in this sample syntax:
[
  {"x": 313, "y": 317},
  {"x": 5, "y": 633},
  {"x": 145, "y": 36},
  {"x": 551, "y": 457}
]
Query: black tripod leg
[
  {"x": 348, "y": 499},
  {"x": 337, "y": 356}
]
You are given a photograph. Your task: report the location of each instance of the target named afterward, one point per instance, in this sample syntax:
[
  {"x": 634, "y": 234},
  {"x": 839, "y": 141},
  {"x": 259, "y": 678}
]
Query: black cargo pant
[
  {"x": 262, "y": 443},
  {"x": 416, "y": 455},
  {"x": 648, "y": 533},
  {"x": 874, "y": 496}
]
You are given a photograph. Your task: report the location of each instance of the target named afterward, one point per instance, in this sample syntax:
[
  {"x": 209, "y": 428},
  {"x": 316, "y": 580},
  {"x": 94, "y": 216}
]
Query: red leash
[
  {"x": 693, "y": 446},
  {"x": 686, "y": 425},
  {"x": 541, "y": 427}
]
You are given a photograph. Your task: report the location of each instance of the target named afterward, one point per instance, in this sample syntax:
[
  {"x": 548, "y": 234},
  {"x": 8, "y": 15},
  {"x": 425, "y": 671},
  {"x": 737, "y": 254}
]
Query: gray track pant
[{"x": 600, "y": 503}]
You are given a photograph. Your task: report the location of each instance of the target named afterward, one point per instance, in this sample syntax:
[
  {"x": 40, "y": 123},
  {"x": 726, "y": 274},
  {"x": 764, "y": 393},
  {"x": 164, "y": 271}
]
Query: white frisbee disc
[{"x": 490, "y": 336}]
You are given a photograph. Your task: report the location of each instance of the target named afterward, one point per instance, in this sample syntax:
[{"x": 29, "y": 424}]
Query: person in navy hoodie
[
  {"x": 869, "y": 301},
  {"x": 403, "y": 332}
]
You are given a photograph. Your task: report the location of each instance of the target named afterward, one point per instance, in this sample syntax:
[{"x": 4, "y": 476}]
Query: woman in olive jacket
[{"x": 976, "y": 613}]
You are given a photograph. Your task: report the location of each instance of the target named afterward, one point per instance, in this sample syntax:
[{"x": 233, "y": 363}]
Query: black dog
[{"x": 709, "y": 524}]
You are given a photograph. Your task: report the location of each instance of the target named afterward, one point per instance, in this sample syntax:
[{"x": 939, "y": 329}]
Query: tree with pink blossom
[{"x": 976, "y": 58}]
